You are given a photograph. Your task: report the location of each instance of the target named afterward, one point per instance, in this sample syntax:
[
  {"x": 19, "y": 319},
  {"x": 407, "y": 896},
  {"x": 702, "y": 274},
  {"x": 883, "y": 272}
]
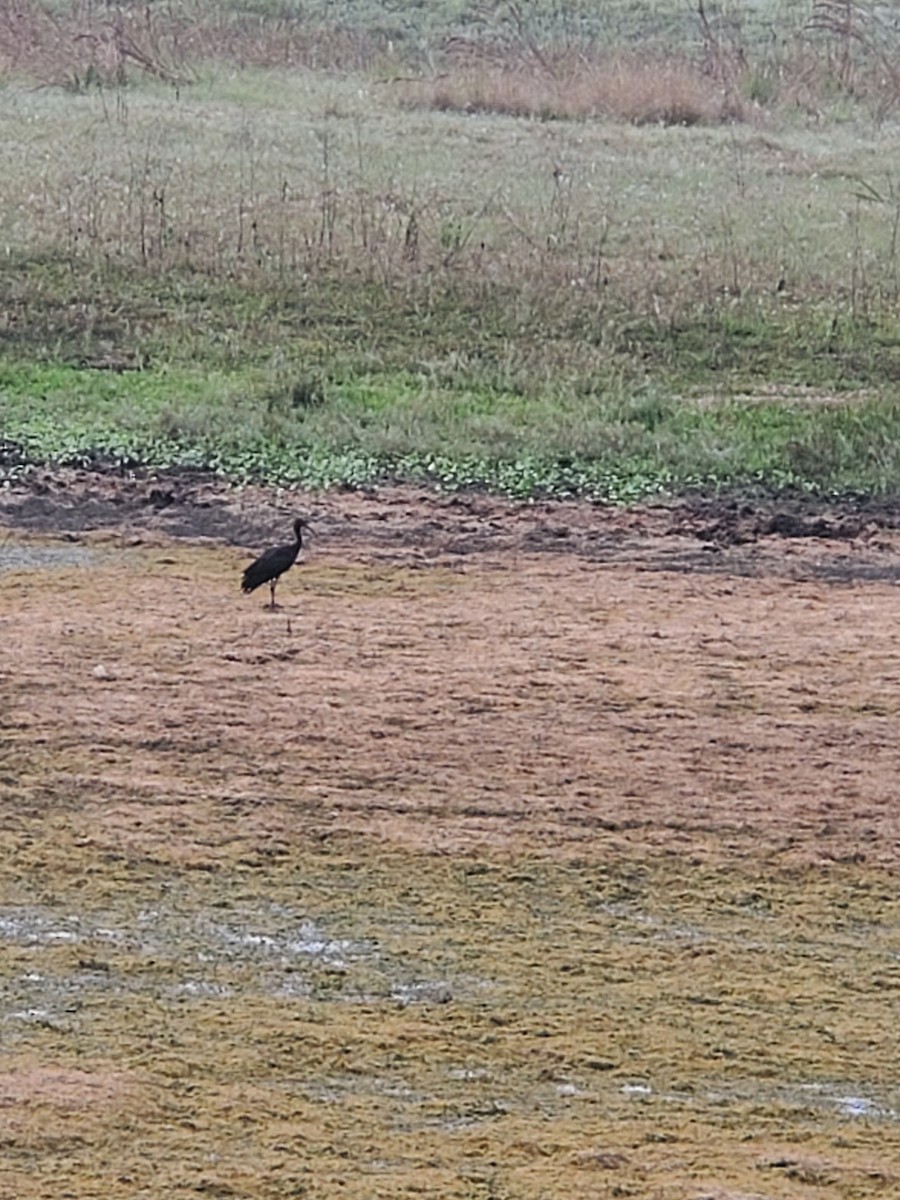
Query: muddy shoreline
[{"x": 744, "y": 535}]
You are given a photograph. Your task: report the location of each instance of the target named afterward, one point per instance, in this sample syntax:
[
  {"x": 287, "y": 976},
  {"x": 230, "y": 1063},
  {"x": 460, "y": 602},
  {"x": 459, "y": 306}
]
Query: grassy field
[{"x": 503, "y": 250}]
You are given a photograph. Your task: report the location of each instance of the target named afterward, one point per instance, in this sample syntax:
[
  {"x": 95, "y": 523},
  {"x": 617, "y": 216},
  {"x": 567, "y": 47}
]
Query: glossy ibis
[{"x": 273, "y": 563}]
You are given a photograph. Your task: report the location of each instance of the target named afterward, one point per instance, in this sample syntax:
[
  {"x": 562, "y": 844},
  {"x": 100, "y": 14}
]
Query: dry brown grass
[
  {"x": 506, "y": 67},
  {"x": 627, "y": 88},
  {"x": 88, "y": 45},
  {"x": 85, "y": 46}
]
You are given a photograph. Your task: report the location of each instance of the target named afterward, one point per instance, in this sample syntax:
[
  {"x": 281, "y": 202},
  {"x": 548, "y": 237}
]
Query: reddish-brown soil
[{"x": 588, "y": 820}]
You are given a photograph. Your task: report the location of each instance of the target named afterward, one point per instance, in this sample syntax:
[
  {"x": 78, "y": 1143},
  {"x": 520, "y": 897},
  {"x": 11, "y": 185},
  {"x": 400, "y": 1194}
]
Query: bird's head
[{"x": 300, "y": 523}]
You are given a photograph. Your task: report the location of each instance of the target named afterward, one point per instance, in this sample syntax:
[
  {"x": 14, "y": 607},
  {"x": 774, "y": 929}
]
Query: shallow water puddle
[
  {"x": 862, "y": 1099},
  {"x": 24, "y": 556},
  {"x": 170, "y": 951}
]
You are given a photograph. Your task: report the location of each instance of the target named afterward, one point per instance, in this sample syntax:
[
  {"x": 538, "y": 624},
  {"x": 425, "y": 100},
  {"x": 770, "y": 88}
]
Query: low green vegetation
[
  {"x": 617, "y": 445},
  {"x": 314, "y": 277}
]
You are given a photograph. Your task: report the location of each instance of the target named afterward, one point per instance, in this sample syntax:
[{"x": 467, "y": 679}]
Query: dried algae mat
[{"x": 512, "y": 877}]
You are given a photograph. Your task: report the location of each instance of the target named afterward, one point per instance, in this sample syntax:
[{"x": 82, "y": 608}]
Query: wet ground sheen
[{"x": 524, "y": 852}]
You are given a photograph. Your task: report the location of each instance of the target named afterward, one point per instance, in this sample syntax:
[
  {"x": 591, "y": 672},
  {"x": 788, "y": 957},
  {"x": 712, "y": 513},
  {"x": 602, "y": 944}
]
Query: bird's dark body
[
  {"x": 270, "y": 566},
  {"x": 273, "y": 563}
]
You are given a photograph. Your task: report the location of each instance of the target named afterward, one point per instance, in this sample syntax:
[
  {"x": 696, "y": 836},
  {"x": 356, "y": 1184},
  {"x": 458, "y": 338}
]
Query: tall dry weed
[
  {"x": 104, "y": 44},
  {"x": 859, "y": 48},
  {"x": 89, "y": 45}
]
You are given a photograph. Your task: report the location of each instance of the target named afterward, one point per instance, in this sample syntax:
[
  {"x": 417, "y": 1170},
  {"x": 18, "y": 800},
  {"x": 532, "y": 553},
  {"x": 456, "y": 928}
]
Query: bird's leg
[{"x": 272, "y": 586}]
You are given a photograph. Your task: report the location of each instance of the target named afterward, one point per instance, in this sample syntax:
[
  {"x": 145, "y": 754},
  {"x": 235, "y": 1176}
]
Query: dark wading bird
[{"x": 273, "y": 563}]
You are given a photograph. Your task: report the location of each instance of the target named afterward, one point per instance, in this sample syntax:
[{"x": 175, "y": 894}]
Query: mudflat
[{"x": 524, "y": 850}]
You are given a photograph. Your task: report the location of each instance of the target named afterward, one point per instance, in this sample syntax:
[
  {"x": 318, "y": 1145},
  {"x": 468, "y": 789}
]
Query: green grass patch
[
  {"x": 344, "y": 381},
  {"x": 617, "y": 445}
]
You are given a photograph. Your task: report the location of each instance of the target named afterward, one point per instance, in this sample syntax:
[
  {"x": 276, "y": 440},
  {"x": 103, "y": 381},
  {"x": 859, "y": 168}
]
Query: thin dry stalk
[
  {"x": 88, "y": 47},
  {"x": 866, "y": 50},
  {"x": 100, "y": 45}
]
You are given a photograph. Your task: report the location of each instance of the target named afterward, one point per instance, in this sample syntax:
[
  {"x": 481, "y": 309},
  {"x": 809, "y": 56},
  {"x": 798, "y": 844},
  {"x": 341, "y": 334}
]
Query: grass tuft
[{"x": 625, "y": 88}]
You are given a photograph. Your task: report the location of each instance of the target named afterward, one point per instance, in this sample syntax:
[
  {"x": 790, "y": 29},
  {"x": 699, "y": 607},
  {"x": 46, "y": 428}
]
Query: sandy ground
[{"x": 524, "y": 850}]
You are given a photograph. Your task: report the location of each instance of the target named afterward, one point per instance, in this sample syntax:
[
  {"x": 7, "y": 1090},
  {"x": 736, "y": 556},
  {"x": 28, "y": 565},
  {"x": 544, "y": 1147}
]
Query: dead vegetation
[
  {"x": 622, "y": 88},
  {"x": 85, "y": 45},
  {"x": 509, "y": 60}
]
